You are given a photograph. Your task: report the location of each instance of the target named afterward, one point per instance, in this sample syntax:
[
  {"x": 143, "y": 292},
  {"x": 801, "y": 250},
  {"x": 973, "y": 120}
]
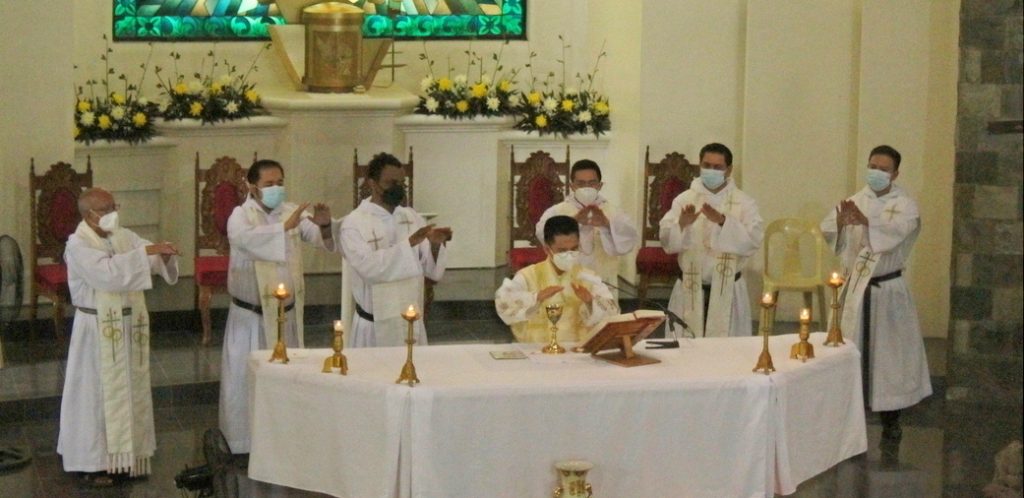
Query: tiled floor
[{"x": 947, "y": 447}]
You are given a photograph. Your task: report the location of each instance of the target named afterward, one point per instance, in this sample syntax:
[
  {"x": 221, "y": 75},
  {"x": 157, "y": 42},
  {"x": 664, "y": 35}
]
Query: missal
[{"x": 620, "y": 333}]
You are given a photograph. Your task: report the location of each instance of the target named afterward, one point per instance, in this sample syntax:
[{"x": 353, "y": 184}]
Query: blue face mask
[
  {"x": 878, "y": 180},
  {"x": 273, "y": 196},
  {"x": 712, "y": 178}
]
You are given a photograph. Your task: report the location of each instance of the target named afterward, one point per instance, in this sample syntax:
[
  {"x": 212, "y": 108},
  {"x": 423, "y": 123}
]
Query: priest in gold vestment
[{"x": 559, "y": 279}]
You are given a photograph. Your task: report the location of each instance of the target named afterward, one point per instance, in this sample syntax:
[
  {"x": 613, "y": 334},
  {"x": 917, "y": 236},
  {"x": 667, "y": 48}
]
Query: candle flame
[
  {"x": 835, "y": 276},
  {"x": 280, "y": 287},
  {"x": 337, "y": 325},
  {"x": 767, "y": 299},
  {"x": 411, "y": 310},
  {"x": 805, "y": 314}
]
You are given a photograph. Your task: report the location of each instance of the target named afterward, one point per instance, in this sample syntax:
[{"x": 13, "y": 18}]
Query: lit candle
[
  {"x": 836, "y": 280},
  {"x": 410, "y": 313},
  {"x": 280, "y": 290},
  {"x": 767, "y": 299},
  {"x": 805, "y": 316},
  {"x": 337, "y": 326}
]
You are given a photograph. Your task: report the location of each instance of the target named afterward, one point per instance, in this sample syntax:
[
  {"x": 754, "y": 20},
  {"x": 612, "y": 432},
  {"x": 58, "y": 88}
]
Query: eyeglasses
[
  {"x": 587, "y": 183},
  {"x": 107, "y": 210}
]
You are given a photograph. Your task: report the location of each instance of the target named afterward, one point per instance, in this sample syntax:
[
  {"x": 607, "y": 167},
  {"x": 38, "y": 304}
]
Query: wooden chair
[
  {"x": 663, "y": 182},
  {"x": 219, "y": 190},
  {"x": 54, "y": 216},
  {"x": 361, "y": 190},
  {"x": 535, "y": 185}
]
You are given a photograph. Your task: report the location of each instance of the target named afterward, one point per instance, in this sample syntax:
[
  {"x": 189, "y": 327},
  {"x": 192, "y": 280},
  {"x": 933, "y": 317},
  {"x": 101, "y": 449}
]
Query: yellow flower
[
  {"x": 479, "y": 90},
  {"x": 181, "y": 88},
  {"x": 567, "y": 105},
  {"x": 139, "y": 119},
  {"x": 252, "y": 96},
  {"x": 196, "y": 108},
  {"x": 104, "y": 122},
  {"x": 84, "y": 106},
  {"x": 541, "y": 121},
  {"x": 462, "y": 106},
  {"x": 444, "y": 84},
  {"x": 505, "y": 86},
  {"x": 533, "y": 98},
  {"x": 216, "y": 88},
  {"x": 601, "y": 107},
  {"x": 117, "y": 98}
]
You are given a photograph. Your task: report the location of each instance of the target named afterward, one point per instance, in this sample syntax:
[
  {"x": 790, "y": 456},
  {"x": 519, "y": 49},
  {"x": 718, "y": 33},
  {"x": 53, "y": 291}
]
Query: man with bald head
[{"x": 106, "y": 416}]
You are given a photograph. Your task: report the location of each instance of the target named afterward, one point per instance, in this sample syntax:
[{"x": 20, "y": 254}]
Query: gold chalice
[{"x": 554, "y": 312}]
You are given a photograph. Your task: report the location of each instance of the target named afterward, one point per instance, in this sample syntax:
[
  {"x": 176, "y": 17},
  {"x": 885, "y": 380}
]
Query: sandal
[{"x": 98, "y": 480}]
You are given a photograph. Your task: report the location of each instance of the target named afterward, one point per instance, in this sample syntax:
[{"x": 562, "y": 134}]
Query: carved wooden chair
[
  {"x": 536, "y": 184},
  {"x": 219, "y": 189},
  {"x": 361, "y": 190},
  {"x": 663, "y": 181},
  {"x": 54, "y": 216}
]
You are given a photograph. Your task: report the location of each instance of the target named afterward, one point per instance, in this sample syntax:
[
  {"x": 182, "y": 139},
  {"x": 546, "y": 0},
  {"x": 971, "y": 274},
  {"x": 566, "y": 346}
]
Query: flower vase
[{"x": 572, "y": 475}]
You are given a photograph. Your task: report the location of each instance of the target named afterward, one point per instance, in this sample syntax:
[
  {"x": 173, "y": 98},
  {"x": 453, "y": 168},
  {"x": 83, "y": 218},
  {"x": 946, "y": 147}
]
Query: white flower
[
  {"x": 485, "y": 79},
  {"x": 195, "y": 87},
  {"x": 550, "y": 104},
  {"x": 232, "y": 107},
  {"x": 571, "y": 90},
  {"x": 493, "y": 103},
  {"x": 117, "y": 113},
  {"x": 143, "y": 101},
  {"x": 426, "y": 83},
  {"x": 431, "y": 104},
  {"x": 460, "y": 79},
  {"x": 513, "y": 100},
  {"x": 162, "y": 106},
  {"x": 87, "y": 118},
  {"x": 583, "y": 117},
  {"x": 226, "y": 79}
]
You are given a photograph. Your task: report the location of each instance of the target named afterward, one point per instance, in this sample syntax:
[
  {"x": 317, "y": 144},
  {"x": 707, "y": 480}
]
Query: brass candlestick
[
  {"x": 803, "y": 350},
  {"x": 337, "y": 360},
  {"x": 835, "y": 334},
  {"x": 409, "y": 370},
  {"x": 280, "y": 351},
  {"x": 554, "y": 312},
  {"x": 764, "y": 362}
]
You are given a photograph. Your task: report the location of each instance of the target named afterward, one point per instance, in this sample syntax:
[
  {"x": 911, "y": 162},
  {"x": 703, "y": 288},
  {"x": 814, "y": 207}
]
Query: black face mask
[{"x": 394, "y": 195}]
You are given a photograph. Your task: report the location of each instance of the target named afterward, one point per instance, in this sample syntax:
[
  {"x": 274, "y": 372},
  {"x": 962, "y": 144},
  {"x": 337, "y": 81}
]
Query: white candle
[
  {"x": 805, "y": 315},
  {"x": 767, "y": 299},
  {"x": 337, "y": 325}
]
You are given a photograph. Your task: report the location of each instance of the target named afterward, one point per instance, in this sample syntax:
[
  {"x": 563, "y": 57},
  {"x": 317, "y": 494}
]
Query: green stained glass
[{"x": 136, "y": 20}]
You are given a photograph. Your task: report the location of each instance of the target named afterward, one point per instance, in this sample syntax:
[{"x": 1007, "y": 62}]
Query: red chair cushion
[
  {"x": 654, "y": 261},
  {"x": 53, "y": 276},
  {"x": 521, "y": 257},
  {"x": 212, "y": 270},
  {"x": 669, "y": 191},
  {"x": 64, "y": 215},
  {"x": 225, "y": 199},
  {"x": 539, "y": 198}
]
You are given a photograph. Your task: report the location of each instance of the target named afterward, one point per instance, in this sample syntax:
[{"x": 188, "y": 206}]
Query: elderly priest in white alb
[
  {"x": 265, "y": 234},
  {"x": 106, "y": 415},
  {"x": 873, "y": 233},
  {"x": 714, "y": 227},
  {"x": 388, "y": 250}
]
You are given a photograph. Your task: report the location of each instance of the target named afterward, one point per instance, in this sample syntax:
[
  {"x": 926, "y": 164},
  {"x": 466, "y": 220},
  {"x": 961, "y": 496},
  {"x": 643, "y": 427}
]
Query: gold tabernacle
[
  {"x": 803, "y": 350},
  {"x": 337, "y": 360}
]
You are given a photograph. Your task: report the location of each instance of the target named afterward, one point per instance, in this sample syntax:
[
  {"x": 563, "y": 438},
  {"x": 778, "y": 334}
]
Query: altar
[{"x": 699, "y": 423}]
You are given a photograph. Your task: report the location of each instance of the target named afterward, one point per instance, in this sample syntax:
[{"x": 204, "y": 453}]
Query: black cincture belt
[
  {"x": 363, "y": 314},
  {"x": 866, "y": 325},
  {"x": 707, "y": 287},
  {"x": 255, "y": 308},
  {"x": 92, "y": 311}
]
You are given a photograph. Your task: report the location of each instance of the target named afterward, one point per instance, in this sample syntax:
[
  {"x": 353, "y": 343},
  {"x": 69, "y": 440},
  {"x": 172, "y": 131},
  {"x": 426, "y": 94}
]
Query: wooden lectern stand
[{"x": 620, "y": 333}]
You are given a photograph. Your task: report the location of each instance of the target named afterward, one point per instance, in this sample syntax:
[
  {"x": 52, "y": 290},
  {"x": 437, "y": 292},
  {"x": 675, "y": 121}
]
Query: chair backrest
[
  {"x": 219, "y": 190},
  {"x": 54, "y": 208},
  {"x": 536, "y": 184},
  {"x": 663, "y": 182},
  {"x": 794, "y": 253},
  {"x": 361, "y": 189}
]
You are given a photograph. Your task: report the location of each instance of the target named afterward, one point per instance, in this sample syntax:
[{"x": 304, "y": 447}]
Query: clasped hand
[
  {"x": 847, "y": 213},
  {"x": 592, "y": 215}
]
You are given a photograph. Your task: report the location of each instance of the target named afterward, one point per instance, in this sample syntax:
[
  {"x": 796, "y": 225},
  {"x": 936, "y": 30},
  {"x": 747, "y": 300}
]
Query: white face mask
[
  {"x": 109, "y": 222},
  {"x": 586, "y": 195},
  {"x": 566, "y": 261},
  {"x": 878, "y": 180},
  {"x": 712, "y": 178}
]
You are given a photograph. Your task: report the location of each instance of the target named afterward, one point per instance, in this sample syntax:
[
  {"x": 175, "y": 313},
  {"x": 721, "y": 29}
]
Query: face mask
[
  {"x": 394, "y": 195},
  {"x": 565, "y": 261},
  {"x": 712, "y": 178},
  {"x": 109, "y": 222},
  {"x": 878, "y": 180},
  {"x": 273, "y": 196},
  {"x": 586, "y": 195}
]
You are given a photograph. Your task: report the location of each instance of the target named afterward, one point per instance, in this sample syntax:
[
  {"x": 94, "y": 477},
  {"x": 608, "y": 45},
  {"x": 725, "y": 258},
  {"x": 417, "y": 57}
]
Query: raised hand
[
  {"x": 420, "y": 235},
  {"x": 850, "y": 214},
  {"x": 597, "y": 217},
  {"x": 439, "y": 235},
  {"x": 164, "y": 249},
  {"x": 582, "y": 293},
  {"x": 712, "y": 214},
  {"x": 321, "y": 214},
  {"x": 687, "y": 216},
  {"x": 548, "y": 292},
  {"x": 296, "y": 217},
  {"x": 583, "y": 215}
]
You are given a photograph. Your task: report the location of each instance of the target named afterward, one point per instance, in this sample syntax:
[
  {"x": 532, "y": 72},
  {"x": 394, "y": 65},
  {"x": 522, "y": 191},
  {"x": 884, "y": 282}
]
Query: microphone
[{"x": 672, "y": 318}]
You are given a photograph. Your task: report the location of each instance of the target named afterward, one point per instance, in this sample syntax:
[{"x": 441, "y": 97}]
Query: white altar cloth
[{"x": 698, "y": 424}]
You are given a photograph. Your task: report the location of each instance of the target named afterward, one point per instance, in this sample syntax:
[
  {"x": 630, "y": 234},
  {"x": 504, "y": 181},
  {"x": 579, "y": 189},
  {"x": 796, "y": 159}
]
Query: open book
[
  {"x": 620, "y": 333},
  {"x": 624, "y": 317}
]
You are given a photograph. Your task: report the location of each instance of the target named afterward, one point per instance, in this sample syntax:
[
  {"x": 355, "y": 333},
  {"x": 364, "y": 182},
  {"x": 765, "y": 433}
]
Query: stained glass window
[{"x": 184, "y": 20}]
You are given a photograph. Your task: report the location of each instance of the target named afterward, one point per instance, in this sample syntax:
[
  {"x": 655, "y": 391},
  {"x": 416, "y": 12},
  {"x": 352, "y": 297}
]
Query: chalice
[{"x": 554, "y": 312}]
